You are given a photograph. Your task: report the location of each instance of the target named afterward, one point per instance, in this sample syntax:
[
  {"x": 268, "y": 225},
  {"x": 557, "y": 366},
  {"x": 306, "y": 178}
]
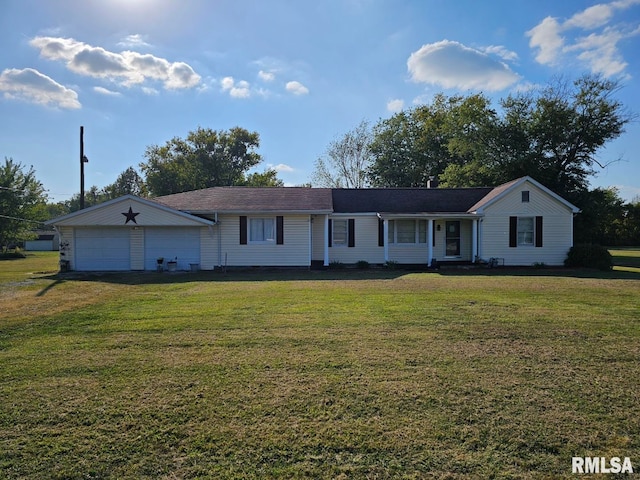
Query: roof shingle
[{"x": 250, "y": 199}]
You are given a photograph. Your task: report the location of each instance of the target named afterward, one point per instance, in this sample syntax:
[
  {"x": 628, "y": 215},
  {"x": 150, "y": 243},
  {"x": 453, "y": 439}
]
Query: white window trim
[
  {"x": 271, "y": 241},
  {"x": 333, "y": 233},
  {"x": 393, "y": 231},
  {"x": 533, "y": 232}
]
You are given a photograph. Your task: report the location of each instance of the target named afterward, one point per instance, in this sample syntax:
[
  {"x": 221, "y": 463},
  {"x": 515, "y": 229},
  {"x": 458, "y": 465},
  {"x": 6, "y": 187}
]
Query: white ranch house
[{"x": 521, "y": 223}]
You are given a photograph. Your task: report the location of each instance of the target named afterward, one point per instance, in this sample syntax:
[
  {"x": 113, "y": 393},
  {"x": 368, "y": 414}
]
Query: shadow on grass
[
  {"x": 285, "y": 274},
  {"x": 58, "y": 281}
]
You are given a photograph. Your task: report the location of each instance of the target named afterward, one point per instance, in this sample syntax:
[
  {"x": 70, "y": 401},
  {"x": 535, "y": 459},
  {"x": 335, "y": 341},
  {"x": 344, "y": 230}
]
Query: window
[
  {"x": 262, "y": 230},
  {"x": 407, "y": 231},
  {"x": 525, "y": 230},
  {"x": 340, "y": 233},
  {"x": 525, "y": 196}
]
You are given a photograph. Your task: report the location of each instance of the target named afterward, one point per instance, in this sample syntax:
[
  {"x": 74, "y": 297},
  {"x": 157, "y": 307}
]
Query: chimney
[{"x": 432, "y": 182}]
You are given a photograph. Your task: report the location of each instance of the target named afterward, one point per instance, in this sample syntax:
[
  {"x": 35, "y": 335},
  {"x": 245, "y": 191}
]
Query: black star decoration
[{"x": 131, "y": 217}]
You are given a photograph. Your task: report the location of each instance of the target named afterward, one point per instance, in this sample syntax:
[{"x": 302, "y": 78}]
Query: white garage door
[
  {"x": 169, "y": 243},
  {"x": 102, "y": 248}
]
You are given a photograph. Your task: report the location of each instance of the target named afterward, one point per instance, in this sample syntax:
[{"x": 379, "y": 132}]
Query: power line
[{"x": 21, "y": 219}]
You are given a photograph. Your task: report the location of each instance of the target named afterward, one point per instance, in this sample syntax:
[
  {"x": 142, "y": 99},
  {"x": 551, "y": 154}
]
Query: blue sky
[{"x": 301, "y": 73}]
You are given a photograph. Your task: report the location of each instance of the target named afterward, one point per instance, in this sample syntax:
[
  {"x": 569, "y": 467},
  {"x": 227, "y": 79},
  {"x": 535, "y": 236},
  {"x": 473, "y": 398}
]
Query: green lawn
[{"x": 336, "y": 374}]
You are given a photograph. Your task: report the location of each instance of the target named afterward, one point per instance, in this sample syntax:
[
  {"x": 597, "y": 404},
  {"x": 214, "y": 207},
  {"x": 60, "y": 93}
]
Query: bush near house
[{"x": 589, "y": 256}]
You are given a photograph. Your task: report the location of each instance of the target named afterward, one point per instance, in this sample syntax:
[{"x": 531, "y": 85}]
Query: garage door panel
[
  {"x": 102, "y": 249},
  {"x": 169, "y": 243}
]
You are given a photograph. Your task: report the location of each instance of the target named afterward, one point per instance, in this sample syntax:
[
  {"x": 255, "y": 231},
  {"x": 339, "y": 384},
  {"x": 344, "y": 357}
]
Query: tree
[
  {"x": 22, "y": 202},
  {"x": 413, "y": 146},
  {"x": 205, "y": 158},
  {"x": 128, "y": 182},
  {"x": 553, "y": 135},
  {"x": 268, "y": 178},
  {"x": 347, "y": 160},
  {"x": 556, "y": 134}
]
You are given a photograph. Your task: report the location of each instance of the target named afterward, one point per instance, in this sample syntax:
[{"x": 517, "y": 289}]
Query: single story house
[{"x": 519, "y": 223}]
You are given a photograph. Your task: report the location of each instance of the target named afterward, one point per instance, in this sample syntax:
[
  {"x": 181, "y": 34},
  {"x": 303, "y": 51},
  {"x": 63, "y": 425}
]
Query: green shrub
[
  {"x": 589, "y": 256},
  {"x": 362, "y": 264},
  {"x": 391, "y": 264},
  {"x": 336, "y": 264}
]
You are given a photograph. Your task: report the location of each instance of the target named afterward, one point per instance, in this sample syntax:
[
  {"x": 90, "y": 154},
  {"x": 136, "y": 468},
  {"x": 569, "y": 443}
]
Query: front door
[{"x": 453, "y": 239}]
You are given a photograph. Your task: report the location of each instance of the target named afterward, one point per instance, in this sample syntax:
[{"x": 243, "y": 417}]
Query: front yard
[{"x": 336, "y": 374}]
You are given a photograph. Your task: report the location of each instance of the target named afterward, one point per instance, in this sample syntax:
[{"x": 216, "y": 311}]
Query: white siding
[
  {"x": 557, "y": 228},
  {"x": 136, "y": 247},
  {"x": 293, "y": 253},
  {"x": 208, "y": 248},
  {"x": 112, "y": 215},
  {"x": 409, "y": 253},
  {"x": 366, "y": 242},
  {"x": 67, "y": 250}
]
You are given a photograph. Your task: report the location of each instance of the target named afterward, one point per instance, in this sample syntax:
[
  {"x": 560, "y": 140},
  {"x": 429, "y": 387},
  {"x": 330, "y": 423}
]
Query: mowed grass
[{"x": 338, "y": 374}]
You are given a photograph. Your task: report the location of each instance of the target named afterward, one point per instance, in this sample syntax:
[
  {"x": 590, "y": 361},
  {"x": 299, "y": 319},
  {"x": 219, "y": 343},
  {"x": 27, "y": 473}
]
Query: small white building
[{"x": 520, "y": 223}]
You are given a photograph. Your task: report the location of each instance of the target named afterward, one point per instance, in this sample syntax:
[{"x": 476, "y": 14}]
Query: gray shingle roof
[
  {"x": 407, "y": 200},
  {"x": 339, "y": 200},
  {"x": 250, "y": 199}
]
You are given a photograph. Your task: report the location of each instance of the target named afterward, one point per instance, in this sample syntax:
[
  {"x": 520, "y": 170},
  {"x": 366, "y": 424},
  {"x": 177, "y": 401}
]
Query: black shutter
[
  {"x": 243, "y": 230},
  {"x": 538, "y": 232},
  {"x": 351, "y": 234},
  {"x": 380, "y": 232},
  {"x": 513, "y": 231},
  {"x": 330, "y": 233},
  {"x": 280, "y": 230}
]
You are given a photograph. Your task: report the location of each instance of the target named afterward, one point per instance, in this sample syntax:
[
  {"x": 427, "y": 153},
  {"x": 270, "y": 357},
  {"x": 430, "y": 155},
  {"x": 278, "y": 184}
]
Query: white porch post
[
  {"x": 385, "y": 241},
  {"x": 474, "y": 240},
  {"x": 326, "y": 241},
  {"x": 429, "y": 241}
]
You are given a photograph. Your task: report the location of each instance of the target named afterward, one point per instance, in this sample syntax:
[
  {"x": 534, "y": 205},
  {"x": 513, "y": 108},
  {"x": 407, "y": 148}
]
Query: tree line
[{"x": 552, "y": 134}]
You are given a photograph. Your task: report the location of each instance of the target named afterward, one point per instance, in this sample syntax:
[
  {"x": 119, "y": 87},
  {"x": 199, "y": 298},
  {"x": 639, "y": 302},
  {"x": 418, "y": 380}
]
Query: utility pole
[{"x": 83, "y": 159}]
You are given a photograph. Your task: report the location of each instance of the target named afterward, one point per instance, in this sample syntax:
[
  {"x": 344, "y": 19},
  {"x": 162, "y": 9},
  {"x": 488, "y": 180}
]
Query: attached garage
[
  {"x": 130, "y": 234},
  {"x": 102, "y": 248},
  {"x": 169, "y": 243}
]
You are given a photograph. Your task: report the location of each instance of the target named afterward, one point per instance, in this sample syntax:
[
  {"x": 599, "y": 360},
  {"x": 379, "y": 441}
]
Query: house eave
[{"x": 430, "y": 215}]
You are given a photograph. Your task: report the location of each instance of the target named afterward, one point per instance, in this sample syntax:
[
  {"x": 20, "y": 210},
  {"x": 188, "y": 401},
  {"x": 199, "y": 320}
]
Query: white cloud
[
  {"x": 501, "y": 51},
  {"x": 282, "y": 167},
  {"x": 395, "y": 105},
  {"x": 592, "y": 17},
  {"x": 150, "y": 91},
  {"x": 266, "y": 76},
  {"x": 600, "y": 52},
  {"x": 105, "y": 91},
  {"x": 133, "y": 41},
  {"x": 126, "y": 68},
  {"x": 296, "y": 88},
  {"x": 240, "y": 89},
  {"x": 453, "y": 65},
  {"x": 561, "y": 42},
  {"x": 547, "y": 39},
  {"x": 32, "y": 86}
]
